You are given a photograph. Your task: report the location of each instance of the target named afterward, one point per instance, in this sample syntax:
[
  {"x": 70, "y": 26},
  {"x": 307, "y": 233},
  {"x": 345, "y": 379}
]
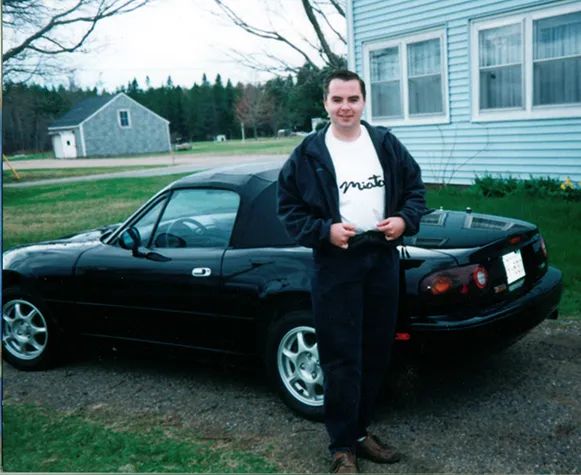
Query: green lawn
[
  {"x": 36, "y": 439},
  {"x": 41, "y": 212},
  {"x": 267, "y": 146},
  {"x": 30, "y": 156},
  {"x": 48, "y": 211},
  {"x": 48, "y": 174}
]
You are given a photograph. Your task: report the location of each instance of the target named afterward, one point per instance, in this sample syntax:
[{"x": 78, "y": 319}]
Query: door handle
[{"x": 202, "y": 272}]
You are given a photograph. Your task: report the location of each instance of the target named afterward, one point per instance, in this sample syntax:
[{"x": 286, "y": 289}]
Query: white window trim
[
  {"x": 401, "y": 42},
  {"x": 128, "y": 118},
  {"x": 528, "y": 111}
]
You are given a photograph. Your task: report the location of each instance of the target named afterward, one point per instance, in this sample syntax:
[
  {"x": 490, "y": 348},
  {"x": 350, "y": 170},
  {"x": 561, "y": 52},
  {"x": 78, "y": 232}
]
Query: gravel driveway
[{"x": 516, "y": 412}]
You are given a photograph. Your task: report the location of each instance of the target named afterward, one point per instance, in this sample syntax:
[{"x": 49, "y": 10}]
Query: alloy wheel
[
  {"x": 25, "y": 330},
  {"x": 298, "y": 365}
]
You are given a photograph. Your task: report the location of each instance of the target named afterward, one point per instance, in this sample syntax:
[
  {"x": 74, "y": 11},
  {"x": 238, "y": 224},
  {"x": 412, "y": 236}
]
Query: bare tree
[
  {"x": 326, "y": 18},
  {"x": 253, "y": 108},
  {"x": 38, "y": 32}
]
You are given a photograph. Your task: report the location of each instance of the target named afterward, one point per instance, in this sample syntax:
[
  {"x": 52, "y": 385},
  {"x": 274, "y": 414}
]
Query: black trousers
[{"x": 355, "y": 299}]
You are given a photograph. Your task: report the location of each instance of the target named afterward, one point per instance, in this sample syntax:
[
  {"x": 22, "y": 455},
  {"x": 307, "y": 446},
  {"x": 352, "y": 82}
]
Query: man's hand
[
  {"x": 392, "y": 227},
  {"x": 340, "y": 234}
]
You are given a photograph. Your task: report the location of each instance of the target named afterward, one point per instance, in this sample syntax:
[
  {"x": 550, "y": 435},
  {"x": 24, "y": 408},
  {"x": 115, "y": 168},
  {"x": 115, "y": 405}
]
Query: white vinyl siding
[
  {"x": 407, "y": 78},
  {"x": 527, "y": 66}
]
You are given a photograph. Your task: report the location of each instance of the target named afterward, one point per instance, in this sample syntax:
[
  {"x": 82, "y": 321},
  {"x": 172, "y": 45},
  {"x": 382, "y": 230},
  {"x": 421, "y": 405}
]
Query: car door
[{"x": 171, "y": 299}]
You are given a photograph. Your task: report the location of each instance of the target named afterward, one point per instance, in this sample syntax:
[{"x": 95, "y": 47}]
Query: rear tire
[
  {"x": 292, "y": 360},
  {"x": 31, "y": 339}
]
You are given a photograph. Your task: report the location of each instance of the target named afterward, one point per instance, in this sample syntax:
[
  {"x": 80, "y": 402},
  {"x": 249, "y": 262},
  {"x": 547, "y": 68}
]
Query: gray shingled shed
[{"x": 109, "y": 126}]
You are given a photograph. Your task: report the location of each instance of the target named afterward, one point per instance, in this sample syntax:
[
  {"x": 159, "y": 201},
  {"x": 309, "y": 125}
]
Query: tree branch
[
  {"x": 253, "y": 62},
  {"x": 102, "y": 9},
  {"x": 338, "y": 7},
  {"x": 261, "y": 33},
  {"x": 339, "y": 35},
  {"x": 331, "y": 58}
]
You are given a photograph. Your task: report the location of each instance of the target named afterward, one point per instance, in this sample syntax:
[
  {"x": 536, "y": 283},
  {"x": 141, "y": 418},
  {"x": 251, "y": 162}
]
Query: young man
[{"x": 350, "y": 192}]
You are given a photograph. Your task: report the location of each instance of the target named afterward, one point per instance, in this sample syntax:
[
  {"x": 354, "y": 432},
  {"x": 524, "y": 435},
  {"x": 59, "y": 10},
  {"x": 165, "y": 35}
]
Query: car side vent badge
[
  {"x": 437, "y": 218},
  {"x": 486, "y": 224}
]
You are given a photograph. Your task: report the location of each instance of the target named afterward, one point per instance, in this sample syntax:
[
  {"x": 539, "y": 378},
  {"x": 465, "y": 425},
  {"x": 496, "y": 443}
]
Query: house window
[
  {"x": 501, "y": 67},
  {"x": 527, "y": 65},
  {"x": 557, "y": 60},
  {"x": 124, "y": 119},
  {"x": 407, "y": 78}
]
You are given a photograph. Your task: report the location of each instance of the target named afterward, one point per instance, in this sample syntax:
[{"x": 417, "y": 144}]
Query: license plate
[{"x": 513, "y": 266}]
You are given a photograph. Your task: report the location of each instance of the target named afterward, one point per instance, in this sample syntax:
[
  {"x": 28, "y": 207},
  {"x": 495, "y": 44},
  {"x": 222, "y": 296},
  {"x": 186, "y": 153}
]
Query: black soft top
[{"x": 257, "y": 224}]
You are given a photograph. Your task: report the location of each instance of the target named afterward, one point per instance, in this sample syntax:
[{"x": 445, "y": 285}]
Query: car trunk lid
[{"x": 511, "y": 251}]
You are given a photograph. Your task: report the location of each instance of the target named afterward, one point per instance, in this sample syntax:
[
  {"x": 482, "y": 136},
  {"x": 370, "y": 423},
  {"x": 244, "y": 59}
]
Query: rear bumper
[{"x": 496, "y": 329}]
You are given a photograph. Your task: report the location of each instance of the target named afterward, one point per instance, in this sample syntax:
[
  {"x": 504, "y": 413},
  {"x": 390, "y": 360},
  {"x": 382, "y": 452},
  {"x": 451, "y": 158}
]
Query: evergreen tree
[
  {"x": 207, "y": 111},
  {"x": 231, "y": 124},
  {"x": 220, "y": 107},
  {"x": 194, "y": 119}
]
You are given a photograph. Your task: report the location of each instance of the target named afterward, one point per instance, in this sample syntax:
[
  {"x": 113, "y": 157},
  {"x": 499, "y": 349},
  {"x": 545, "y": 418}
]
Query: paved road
[{"x": 167, "y": 166}]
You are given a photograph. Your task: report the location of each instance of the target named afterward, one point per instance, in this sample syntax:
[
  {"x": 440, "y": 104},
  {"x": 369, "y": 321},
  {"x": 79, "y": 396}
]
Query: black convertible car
[{"x": 206, "y": 264}]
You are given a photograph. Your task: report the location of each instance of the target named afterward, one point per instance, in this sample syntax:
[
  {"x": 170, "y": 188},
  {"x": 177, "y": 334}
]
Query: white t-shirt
[{"x": 360, "y": 180}]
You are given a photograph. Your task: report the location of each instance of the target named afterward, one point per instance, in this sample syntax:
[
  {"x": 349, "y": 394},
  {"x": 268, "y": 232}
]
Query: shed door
[
  {"x": 69, "y": 145},
  {"x": 57, "y": 146}
]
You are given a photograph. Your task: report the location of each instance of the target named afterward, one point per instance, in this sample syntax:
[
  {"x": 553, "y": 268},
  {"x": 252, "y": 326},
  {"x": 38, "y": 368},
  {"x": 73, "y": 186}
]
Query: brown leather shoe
[
  {"x": 344, "y": 462},
  {"x": 371, "y": 448}
]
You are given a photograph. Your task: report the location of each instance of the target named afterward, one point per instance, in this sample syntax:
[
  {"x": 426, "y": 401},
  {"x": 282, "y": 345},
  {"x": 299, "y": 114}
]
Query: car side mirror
[{"x": 130, "y": 239}]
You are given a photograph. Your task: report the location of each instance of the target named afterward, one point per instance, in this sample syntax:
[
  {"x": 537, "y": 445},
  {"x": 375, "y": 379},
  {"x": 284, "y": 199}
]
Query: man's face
[{"x": 345, "y": 103}]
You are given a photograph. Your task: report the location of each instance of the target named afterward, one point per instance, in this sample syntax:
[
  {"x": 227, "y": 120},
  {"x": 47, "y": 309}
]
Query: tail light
[
  {"x": 459, "y": 281},
  {"x": 480, "y": 277},
  {"x": 543, "y": 246}
]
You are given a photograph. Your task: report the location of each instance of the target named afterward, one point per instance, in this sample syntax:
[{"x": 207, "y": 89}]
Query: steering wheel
[
  {"x": 201, "y": 232},
  {"x": 191, "y": 223}
]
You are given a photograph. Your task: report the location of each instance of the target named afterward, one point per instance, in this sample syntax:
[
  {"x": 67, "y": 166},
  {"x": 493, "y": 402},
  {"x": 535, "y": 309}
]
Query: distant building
[
  {"x": 220, "y": 138},
  {"x": 316, "y": 121},
  {"x": 474, "y": 86},
  {"x": 109, "y": 126}
]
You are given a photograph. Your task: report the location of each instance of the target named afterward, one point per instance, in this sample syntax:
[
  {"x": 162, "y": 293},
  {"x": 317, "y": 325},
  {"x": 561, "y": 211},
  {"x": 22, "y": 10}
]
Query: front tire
[
  {"x": 292, "y": 359},
  {"x": 30, "y": 338}
]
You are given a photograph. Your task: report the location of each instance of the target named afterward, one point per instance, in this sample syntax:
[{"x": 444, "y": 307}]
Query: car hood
[
  {"x": 443, "y": 229},
  {"x": 88, "y": 236},
  {"x": 70, "y": 245}
]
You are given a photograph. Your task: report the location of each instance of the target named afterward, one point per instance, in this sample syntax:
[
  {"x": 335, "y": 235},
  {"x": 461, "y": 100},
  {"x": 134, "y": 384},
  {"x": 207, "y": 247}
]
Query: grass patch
[
  {"x": 39, "y": 440},
  {"x": 32, "y": 214},
  {"x": 49, "y": 174},
  {"x": 30, "y": 156},
  {"x": 45, "y": 212},
  {"x": 269, "y": 146},
  {"x": 283, "y": 146}
]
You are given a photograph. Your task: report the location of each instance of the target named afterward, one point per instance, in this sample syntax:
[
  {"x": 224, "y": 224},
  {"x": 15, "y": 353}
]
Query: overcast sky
[{"x": 183, "y": 39}]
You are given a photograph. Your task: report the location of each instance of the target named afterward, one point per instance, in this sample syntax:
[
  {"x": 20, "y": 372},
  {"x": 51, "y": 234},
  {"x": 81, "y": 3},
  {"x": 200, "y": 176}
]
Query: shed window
[
  {"x": 408, "y": 81},
  {"x": 124, "y": 119},
  {"x": 528, "y": 65}
]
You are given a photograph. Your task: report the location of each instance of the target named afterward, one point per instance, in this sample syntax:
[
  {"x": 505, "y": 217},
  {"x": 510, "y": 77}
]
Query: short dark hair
[{"x": 344, "y": 75}]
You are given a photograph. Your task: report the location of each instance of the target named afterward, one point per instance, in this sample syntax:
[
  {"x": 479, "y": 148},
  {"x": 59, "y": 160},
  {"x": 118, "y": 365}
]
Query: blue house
[
  {"x": 474, "y": 86},
  {"x": 108, "y": 125}
]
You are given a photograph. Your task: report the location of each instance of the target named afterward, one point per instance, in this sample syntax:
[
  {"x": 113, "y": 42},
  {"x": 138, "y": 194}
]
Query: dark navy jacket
[{"x": 308, "y": 196}]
